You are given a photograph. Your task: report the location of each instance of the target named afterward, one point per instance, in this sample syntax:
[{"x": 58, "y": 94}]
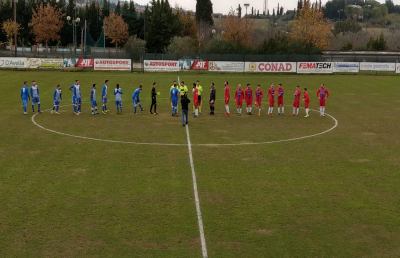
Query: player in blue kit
[
  {"x": 71, "y": 88},
  {"x": 93, "y": 100},
  {"x": 35, "y": 96},
  {"x": 118, "y": 99},
  {"x": 25, "y": 97},
  {"x": 104, "y": 97},
  {"x": 57, "y": 97},
  {"x": 136, "y": 99},
  {"x": 77, "y": 98},
  {"x": 174, "y": 99}
]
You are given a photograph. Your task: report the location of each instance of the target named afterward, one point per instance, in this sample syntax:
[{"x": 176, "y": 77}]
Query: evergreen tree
[
  {"x": 204, "y": 11},
  {"x": 161, "y": 26},
  {"x": 118, "y": 8},
  {"x": 129, "y": 15}
]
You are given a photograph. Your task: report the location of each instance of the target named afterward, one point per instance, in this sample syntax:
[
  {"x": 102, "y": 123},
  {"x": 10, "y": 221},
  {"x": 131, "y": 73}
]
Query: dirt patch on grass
[
  {"x": 264, "y": 232},
  {"x": 368, "y": 133},
  {"x": 360, "y": 160}
]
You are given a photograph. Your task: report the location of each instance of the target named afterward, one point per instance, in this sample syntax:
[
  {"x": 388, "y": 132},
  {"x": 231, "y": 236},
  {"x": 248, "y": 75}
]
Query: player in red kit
[
  {"x": 296, "y": 102},
  {"x": 271, "y": 99},
  {"x": 239, "y": 96},
  {"x": 281, "y": 92},
  {"x": 306, "y": 98},
  {"x": 248, "y": 96},
  {"x": 322, "y": 95},
  {"x": 227, "y": 95},
  {"x": 259, "y": 97},
  {"x": 195, "y": 100}
]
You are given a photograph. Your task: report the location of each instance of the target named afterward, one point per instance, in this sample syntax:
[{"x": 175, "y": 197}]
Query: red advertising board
[
  {"x": 85, "y": 63},
  {"x": 199, "y": 65}
]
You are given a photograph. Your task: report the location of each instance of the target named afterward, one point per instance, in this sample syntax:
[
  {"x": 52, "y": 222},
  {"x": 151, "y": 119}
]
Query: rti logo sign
[{"x": 199, "y": 65}]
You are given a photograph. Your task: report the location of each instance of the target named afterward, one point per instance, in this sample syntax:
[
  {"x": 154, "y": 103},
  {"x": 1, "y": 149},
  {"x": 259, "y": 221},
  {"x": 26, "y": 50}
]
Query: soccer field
[{"x": 123, "y": 185}]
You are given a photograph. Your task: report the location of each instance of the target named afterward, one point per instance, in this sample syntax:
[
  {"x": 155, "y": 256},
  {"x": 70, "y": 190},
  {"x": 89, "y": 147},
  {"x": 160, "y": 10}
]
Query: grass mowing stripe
[{"x": 196, "y": 197}]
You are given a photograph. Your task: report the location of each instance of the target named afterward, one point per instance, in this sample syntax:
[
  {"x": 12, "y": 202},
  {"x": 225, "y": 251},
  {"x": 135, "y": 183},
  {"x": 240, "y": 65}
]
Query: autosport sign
[
  {"x": 161, "y": 65},
  {"x": 112, "y": 64},
  {"x": 270, "y": 67},
  {"x": 314, "y": 67}
]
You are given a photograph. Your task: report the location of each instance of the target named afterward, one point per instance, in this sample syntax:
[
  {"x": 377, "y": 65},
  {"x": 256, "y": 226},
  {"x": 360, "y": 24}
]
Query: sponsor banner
[
  {"x": 161, "y": 65},
  {"x": 271, "y": 67},
  {"x": 398, "y": 68},
  {"x": 45, "y": 63},
  {"x": 378, "y": 67},
  {"x": 217, "y": 66},
  {"x": 13, "y": 62},
  {"x": 346, "y": 67},
  {"x": 314, "y": 67},
  {"x": 113, "y": 64},
  {"x": 185, "y": 64},
  {"x": 70, "y": 62},
  {"x": 85, "y": 63},
  {"x": 51, "y": 63},
  {"x": 199, "y": 65}
]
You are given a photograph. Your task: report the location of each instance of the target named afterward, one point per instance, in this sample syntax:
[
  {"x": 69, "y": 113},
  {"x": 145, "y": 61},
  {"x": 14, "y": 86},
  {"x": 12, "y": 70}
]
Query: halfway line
[{"x": 196, "y": 197}]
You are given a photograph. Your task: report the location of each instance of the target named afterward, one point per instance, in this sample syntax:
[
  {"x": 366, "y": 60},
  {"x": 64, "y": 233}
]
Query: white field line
[
  {"x": 196, "y": 197},
  {"x": 196, "y": 193},
  {"x": 336, "y": 123}
]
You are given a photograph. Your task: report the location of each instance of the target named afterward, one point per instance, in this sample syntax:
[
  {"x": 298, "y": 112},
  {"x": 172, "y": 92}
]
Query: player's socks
[
  {"x": 39, "y": 108},
  {"x": 33, "y": 108}
]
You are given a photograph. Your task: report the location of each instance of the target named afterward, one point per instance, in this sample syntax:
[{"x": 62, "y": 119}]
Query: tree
[
  {"x": 11, "y": 29},
  {"x": 182, "y": 46},
  {"x": 161, "y": 26},
  {"x": 204, "y": 19},
  {"x": 237, "y": 30},
  {"x": 204, "y": 11},
  {"x": 188, "y": 24},
  {"x": 46, "y": 23},
  {"x": 130, "y": 17},
  {"x": 378, "y": 44},
  {"x": 135, "y": 47},
  {"x": 310, "y": 28},
  {"x": 116, "y": 29}
]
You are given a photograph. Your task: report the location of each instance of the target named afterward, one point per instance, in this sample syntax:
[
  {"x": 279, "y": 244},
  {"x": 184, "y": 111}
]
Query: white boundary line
[
  {"x": 196, "y": 197},
  {"x": 336, "y": 123}
]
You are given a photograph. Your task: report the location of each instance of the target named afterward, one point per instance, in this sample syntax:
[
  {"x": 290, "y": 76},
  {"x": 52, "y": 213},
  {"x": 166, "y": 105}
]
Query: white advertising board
[
  {"x": 113, "y": 64},
  {"x": 378, "y": 67},
  {"x": 225, "y": 66},
  {"x": 161, "y": 65},
  {"x": 346, "y": 67},
  {"x": 270, "y": 67},
  {"x": 314, "y": 67}
]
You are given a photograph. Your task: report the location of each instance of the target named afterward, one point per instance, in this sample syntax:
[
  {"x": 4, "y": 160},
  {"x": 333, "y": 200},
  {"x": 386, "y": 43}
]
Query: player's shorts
[
  {"x": 227, "y": 100},
  {"x": 271, "y": 102},
  {"x": 322, "y": 102},
  {"x": 280, "y": 101},
  {"x": 93, "y": 103},
  {"x": 56, "y": 103},
  {"x": 104, "y": 100},
  {"x": 239, "y": 102},
  {"x": 118, "y": 102},
  {"x": 35, "y": 100},
  {"x": 296, "y": 104},
  {"x": 136, "y": 101},
  {"x": 199, "y": 99},
  {"x": 249, "y": 102},
  {"x": 78, "y": 101},
  {"x": 24, "y": 102},
  {"x": 258, "y": 102},
  {"x": 306, "y": 104},
  {"x": 174, "y": 102}
]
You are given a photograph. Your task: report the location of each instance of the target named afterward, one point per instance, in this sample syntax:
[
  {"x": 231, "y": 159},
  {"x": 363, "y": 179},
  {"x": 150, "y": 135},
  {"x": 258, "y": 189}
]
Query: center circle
[{"x": 241, "y": 143}]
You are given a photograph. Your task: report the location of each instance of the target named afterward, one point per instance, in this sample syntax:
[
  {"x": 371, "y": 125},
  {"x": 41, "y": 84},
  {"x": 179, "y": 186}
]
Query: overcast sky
[{"x": 223, "y": 6}]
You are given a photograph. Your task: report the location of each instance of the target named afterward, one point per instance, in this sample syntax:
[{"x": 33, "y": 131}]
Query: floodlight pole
[{"x": 15, "y": 23}]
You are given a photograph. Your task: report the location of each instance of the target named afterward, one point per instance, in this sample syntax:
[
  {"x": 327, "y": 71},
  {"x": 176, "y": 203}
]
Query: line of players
[
  {"x": 246, "y": 95},
  {"x": 180, "y": 92}
]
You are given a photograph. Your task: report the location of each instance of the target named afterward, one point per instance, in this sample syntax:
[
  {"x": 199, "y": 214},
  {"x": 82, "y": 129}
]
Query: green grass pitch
[{"x": 334, "y": 195}]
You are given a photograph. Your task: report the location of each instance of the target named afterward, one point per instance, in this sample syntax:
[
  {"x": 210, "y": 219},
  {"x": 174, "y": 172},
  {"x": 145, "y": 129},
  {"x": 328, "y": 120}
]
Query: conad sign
[{"x": 271, "y": 67}]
